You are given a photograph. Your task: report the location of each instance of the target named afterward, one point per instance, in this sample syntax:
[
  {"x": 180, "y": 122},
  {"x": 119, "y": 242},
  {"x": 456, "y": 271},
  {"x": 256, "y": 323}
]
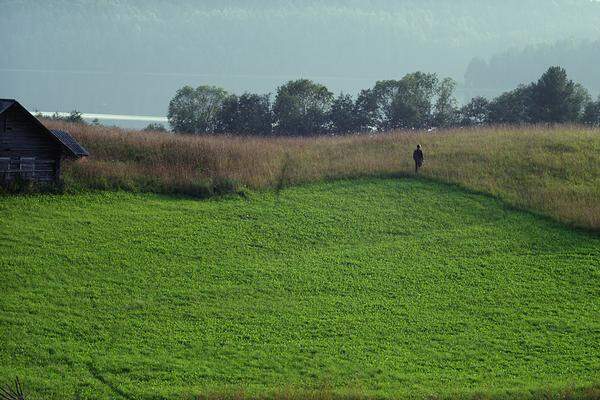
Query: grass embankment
[
  {"x": 377, "y": 288},
  {"x": 552, "y": 171}
]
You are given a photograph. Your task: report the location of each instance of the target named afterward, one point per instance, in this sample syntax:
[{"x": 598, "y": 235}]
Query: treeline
[{"x": 417, "y": 101}]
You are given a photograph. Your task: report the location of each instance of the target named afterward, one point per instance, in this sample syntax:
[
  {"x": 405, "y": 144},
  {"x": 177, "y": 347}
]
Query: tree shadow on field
[
  {"x": 100, "y": 378},
  {"x": 553, "y": 222},
  {"x": 283, "y": 180}
]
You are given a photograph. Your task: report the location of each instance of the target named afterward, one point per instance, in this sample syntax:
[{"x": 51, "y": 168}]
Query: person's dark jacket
[{"x": 418, "y": 156}]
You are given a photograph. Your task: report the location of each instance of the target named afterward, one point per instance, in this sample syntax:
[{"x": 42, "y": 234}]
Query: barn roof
[{"x": 68, "y": 142}]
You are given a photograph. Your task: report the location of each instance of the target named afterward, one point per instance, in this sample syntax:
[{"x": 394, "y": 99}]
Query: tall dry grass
[{"x": 554, "y": 171}]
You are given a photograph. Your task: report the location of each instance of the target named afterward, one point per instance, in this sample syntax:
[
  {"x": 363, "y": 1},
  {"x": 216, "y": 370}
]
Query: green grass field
[{"x": 375, "y": 288}]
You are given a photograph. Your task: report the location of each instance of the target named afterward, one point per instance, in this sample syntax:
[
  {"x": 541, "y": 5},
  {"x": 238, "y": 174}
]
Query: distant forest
[
  {"x": 131, "y": 56},
  {"x": 509, "y": 68}
]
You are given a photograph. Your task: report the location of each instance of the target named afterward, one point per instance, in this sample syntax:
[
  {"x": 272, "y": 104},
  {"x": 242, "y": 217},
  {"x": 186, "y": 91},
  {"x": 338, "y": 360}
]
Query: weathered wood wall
[{"x": 25, "y": 150}]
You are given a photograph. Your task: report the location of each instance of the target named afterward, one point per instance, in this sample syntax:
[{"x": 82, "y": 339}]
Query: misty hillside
[
  {"x": 139, "y": 52},
  {"x": 510, "y": 68}
]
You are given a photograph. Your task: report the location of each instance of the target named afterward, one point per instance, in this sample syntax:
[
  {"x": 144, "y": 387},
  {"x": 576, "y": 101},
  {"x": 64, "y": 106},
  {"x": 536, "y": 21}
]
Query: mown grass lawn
[{"x": 383, "y": 288}]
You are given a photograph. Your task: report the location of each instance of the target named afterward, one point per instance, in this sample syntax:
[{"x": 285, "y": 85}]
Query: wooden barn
[{"x": 28, "y": 149}]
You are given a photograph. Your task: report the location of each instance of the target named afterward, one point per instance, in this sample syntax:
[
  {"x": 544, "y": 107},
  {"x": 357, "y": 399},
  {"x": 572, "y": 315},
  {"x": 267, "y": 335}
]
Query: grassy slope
[
  {"x": 389, "y": 287},
  {"x": 552, "y": 171}
]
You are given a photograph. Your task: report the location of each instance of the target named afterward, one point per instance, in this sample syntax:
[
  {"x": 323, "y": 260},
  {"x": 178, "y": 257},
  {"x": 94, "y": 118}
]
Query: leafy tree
[
  {"x": 413, "y": 104},
  {"x": 476, "y": 112},
  {"x": 227, "y": 119},
  {"x": 405, "y": 103},
  {"x": 366, "y": 111},
  {"x": 248, "y": 114},
  {"x": 344, "y": 117},
  {"x": 446, "y": 112},
  {"x": 512, "y": 107},
  {"x": 591, "y": 115},
  {"x": 581, "y": 98},
  {"x": 196, "y": 110},
  {"x": 555, "y": 98},
  {"x": 381, "y": 100},
  {"x": 302, "y": 108}
]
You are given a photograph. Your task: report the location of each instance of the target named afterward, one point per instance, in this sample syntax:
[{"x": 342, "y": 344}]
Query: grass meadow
[
  {"x": 553, "y": 171},
  {"x": 336, "y": 274},
  {"x": 368, "y": 288}
]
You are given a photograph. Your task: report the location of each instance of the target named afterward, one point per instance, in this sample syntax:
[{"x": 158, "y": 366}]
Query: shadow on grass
[
  {"x": 100, "y": 378},
  {"x": 459, "y": 187},
  {"x": 328, "y": 393}
]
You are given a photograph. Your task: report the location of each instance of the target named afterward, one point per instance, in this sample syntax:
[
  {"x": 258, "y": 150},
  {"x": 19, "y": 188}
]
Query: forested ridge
[
  {"x": 145, "y": 50},
  {"x": 509, "y": 68},
  {"x": 339, "y": 37}
]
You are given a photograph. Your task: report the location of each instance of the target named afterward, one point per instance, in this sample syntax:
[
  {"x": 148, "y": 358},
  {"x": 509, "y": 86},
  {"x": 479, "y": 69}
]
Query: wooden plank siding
[
  {"x": 26, "y": 151},
  {"x": 28, "y": 168}
]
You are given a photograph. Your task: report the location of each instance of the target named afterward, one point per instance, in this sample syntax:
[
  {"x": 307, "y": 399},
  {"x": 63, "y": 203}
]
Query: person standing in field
[{"x": 418, "y": 157}]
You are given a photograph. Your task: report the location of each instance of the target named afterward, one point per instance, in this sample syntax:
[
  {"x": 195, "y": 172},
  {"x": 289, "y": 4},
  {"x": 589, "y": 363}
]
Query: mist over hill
[
  {"x": 581, "y": 59},
  {"x": 129, "y": 57}
]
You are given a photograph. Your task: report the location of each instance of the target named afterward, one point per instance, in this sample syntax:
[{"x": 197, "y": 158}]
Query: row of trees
[
  {"x": 303, "y": 108},
  {"x": 417, "y": 101},
  {"x": 554, "y": 98}
]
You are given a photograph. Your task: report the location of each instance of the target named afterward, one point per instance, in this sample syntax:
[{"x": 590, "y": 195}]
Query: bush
[
  {"x": 21, "y": 185},
  {"x": 223, "y": 186},
  {"x": 155, "y": 128}
]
